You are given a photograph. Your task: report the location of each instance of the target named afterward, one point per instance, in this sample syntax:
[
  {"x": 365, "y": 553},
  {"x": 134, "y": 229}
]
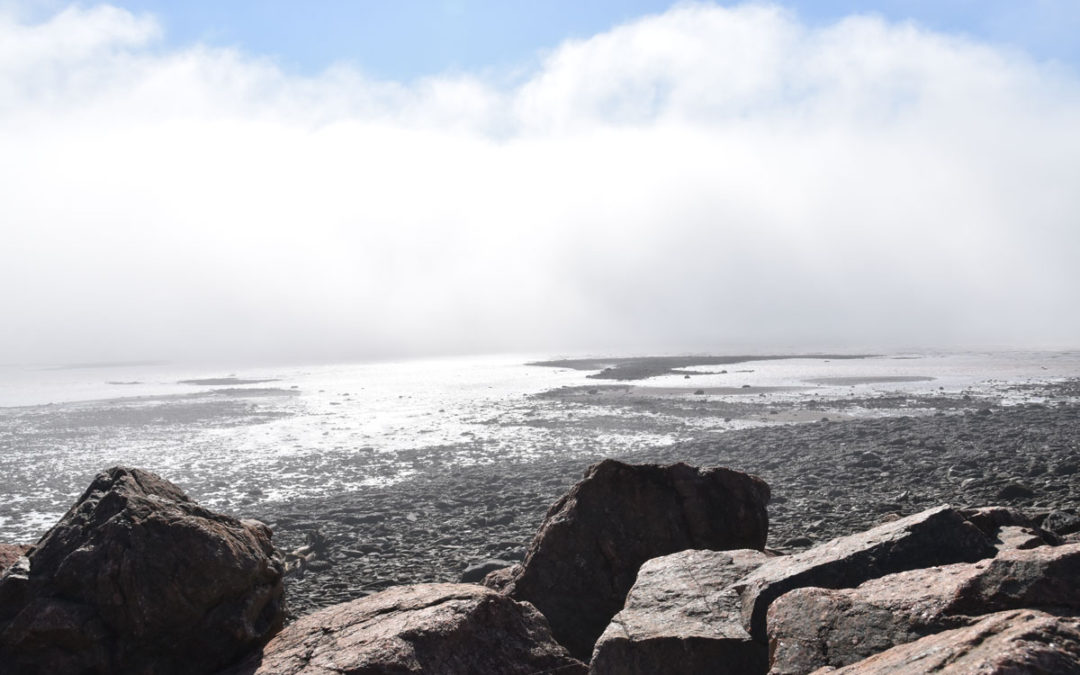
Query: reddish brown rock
[
  {"x": 815, "y": 627},
  {"x": 938, "y": 536},
  {"x": 1006, "y": 643},
  {"x": 682, "y": 616},
  {"x": 9, "y": 553},
  {"x": 500, "y": 580},
  {"x": 587, "y": 553},
  {"x": 1012, "y": 537},
  {"x": 1039, "y": 577},
  {"x": 990, "y": 518},
  {"x": 428, "y": 628},
  {"x": 138, "y": 578},
  {"x": 1009, "y": 528}
]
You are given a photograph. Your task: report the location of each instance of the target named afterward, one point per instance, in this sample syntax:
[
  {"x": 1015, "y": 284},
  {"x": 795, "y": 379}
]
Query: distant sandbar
[
  {"x": 220, "y": 381},
  {"x": 642, "y": 367}
]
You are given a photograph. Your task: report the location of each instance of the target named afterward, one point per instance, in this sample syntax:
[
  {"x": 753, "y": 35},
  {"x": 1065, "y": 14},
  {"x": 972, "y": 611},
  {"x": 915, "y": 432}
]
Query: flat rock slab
[
  {"x": 938, "y": 536},
  {"x": 1006, "y": 643},
  {"x": 586, "y": 555},
  {"x": 427, "y": 628},
  {"x": 815, "y": 627},
  {"x": 682, "y": 615},
  {"x": 138, "y": 578}
]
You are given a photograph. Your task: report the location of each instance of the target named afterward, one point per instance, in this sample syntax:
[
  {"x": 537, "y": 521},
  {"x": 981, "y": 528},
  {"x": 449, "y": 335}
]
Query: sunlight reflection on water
[{"x": 331, "y": 429}]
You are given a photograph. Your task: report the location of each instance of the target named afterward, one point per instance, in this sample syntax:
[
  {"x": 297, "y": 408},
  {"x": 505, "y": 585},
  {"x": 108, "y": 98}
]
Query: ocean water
[{"x": 240, "y": 437}]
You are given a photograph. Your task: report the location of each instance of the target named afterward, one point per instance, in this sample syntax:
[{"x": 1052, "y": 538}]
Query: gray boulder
[
  {"x": 586, "y": 555},
  {"x": 683, "y": 616}
]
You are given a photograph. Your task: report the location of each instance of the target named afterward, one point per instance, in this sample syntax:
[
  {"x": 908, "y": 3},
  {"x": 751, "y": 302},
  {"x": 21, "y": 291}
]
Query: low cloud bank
[{"x": 700, "y": 179}]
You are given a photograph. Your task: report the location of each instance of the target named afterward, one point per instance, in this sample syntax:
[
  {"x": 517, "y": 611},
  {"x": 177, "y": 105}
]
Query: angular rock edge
[
  {"x": 816, "y": 627},
  {"x": 137, "y": 577},
  {"x": 937, "y": 536},
  {"x": 1005, "y": 643},
  {"x": 425, "y": 628},
  {"x": 586, "y": 555},
  {"x": 682, "y": 611}
]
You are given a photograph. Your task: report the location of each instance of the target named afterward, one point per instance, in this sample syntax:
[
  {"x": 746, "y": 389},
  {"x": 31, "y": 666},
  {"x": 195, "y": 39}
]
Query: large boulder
[
  {"x": 682, "y": 616},
  {"x": 427, "y": 628},
  {"x": 137, "y": 578},
  {"x": 1006, "y": 643},
  {"x": 815, "y": 627},
  {"x": 587, "y": 552},
  {"x": 938, "y": 536}
]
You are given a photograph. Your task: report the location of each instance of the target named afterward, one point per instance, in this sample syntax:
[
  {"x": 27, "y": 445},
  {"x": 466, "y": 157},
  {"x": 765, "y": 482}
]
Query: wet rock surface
[
  {"x": 427, "y": 628},
  {"x": 1020, "y": 641},
  {"x": 682, "y": 611},
  {"x": 587, "y": 552},
  {"x": 934, "y": 537},
  {"x": 816, "y": 627},
  {"x": 139, "y": 578}
]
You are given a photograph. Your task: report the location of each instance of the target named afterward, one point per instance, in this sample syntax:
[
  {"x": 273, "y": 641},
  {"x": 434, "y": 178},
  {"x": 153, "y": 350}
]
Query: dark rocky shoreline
[
  {"x": 666, "y": 563},
  {"x": 828, "y": 478}
]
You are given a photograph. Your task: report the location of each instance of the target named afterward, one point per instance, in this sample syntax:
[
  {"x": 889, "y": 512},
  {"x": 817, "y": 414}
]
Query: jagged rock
[
  {"x": 1006, "y": 643},
  {"x": 9, "y": 553},
  {"x": 427, "y": 628},
  {"x": 1012, "y": 537},
  {"x": 1009, "y": 528},
  {"x": 1062, "y": 523},
  {"x": 991, "y": 518},
  {"x": 938, "y": 536},
  {"x": 477, "y": 572},
  {"x": 138, "y": 578},
  {"x": 815, "y": 627},
  {"x": 587, "y": 552},
  {"x": 682, "y": 616},
  {"x": 500, "y": 580}
]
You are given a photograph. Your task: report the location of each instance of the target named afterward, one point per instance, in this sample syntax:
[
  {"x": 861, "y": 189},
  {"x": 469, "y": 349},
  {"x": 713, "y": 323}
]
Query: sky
[{"x": 341, "y": 180}]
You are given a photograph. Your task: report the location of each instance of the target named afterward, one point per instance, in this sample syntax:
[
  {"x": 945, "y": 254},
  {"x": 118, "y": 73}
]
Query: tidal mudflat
[{"x": 410, "y": 472}]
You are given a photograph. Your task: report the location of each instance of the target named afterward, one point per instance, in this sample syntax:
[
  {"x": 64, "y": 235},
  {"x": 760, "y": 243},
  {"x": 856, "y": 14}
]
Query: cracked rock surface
[
  {"x": 426, "y": 628},
  {"x": 1005, "y": 643},
  {"x": 683, "y": 610}
]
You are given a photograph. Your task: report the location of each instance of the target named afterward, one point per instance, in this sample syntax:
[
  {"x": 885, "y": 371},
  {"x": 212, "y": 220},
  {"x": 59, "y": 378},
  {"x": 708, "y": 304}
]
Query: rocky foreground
[
  {"x": 828, "y": 478},
  {"x": 636, "y": 569}
]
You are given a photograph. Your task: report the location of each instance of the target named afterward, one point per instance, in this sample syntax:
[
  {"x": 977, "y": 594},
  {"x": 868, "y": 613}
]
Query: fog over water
[{"x": 705, "y": 178}]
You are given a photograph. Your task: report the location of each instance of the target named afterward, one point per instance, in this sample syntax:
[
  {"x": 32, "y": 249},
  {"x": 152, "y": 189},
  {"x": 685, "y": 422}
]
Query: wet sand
[{"x": 828, "y": 478}]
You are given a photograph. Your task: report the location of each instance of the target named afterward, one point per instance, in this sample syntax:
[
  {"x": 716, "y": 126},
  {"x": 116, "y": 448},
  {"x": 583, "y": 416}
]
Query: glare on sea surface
[{"x": 321, "y": 430}]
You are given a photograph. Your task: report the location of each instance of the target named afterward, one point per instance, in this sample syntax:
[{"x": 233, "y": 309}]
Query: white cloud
[{"x": 693, "y": 180}]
